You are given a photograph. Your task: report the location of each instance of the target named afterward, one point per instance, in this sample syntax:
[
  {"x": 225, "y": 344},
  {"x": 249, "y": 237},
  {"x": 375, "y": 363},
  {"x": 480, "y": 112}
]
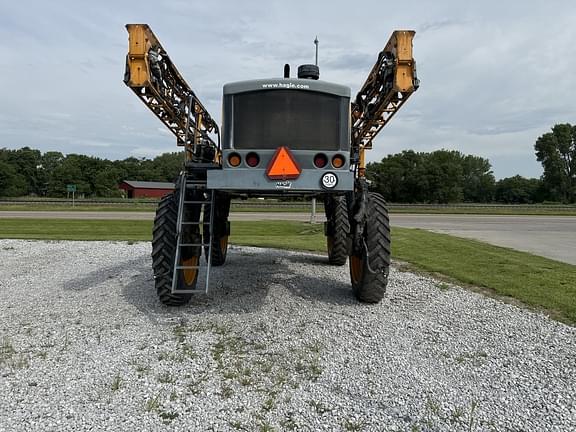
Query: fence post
[{"x": 313, "y": 211}]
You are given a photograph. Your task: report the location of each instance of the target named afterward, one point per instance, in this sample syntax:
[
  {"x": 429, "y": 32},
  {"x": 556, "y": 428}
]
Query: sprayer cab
[{"x": 306, "y": 117}]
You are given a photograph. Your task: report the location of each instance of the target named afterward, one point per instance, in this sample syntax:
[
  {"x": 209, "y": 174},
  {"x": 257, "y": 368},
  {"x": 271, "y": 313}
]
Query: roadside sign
[{"x": 71, "y": 188}]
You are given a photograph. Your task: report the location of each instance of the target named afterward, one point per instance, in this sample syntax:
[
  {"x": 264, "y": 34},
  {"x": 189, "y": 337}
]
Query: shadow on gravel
[
  {"x": 242, "y": 285},
  {"x": 322, "y": 288},
  {"x": 308, "y": 259},
  {"x": 96, "y": 277}
]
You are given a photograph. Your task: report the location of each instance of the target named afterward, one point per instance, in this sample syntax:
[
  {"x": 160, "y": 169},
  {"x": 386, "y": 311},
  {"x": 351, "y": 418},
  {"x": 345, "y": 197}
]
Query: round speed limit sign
[{"x": 329, "y": 180}]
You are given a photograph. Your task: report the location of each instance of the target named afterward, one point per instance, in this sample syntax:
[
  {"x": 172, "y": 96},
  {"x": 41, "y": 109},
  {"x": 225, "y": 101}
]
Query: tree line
[
  {"x": 30, "y": 172},
  {"x": 441, "y": 176},
  {"x": 446, "y": 176}
]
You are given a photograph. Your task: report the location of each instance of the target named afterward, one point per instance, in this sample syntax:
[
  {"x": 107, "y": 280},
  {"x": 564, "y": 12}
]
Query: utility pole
[{"x": 316, "y": 42}]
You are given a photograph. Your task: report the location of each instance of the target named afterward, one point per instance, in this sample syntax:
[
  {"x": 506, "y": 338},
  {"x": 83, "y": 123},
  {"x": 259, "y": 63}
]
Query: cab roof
[{"x": 286, "y": 84}]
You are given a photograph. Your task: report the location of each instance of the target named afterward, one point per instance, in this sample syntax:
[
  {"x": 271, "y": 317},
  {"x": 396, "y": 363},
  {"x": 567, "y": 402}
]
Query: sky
[{"x": 495, "y": 75}]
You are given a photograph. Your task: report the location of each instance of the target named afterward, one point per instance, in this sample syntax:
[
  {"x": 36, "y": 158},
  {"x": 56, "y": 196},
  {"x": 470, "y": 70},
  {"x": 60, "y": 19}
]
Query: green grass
[
  {"x": 252, "y": 206},
  {"x": 276, "y": 209},
  {"x": 536, "y": 281},
  {"x": 284, "y": 235},
  {"x": 145, "y": 207},
  {"x": 79, "y": 208},
  {"x": 279, "y": 234},
  {"x": 75, "y": 229}
]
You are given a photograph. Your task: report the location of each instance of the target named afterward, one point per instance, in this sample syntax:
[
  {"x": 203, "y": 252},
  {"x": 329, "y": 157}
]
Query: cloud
[
  {"x": 351, "y": 61},
  {"x": 439, "y": 25}
]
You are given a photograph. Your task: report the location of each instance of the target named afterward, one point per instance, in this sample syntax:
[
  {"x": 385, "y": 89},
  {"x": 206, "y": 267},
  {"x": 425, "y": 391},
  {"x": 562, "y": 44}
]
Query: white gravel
[{"x": 279, "y": 344}]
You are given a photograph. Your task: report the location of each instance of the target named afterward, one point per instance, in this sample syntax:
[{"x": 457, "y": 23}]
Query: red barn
[{"x": 144, "y": 189}]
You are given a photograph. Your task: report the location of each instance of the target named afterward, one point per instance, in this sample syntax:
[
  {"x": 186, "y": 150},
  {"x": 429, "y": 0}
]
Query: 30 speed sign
[{"x": 329, "y": 180}]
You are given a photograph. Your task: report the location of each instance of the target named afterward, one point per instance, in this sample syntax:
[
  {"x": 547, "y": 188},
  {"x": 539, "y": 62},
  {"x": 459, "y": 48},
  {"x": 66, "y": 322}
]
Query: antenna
[{"x": 316, "y": 42}]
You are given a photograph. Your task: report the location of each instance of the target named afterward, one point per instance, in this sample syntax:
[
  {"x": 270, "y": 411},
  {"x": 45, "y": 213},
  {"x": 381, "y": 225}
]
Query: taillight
[
  {"x": 338, "y": 161},
  {"x": 234, "y": 159},
  {"x": 252, "y": 159},
  {"x": 320, "y": 160}
]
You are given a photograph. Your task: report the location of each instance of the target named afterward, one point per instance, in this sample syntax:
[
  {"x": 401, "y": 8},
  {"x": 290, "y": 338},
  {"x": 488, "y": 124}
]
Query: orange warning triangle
[{"x": 283, "y": 166}]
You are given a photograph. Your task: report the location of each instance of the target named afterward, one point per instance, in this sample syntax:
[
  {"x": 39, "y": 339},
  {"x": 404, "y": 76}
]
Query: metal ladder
[{"x": 198, "y": 186}]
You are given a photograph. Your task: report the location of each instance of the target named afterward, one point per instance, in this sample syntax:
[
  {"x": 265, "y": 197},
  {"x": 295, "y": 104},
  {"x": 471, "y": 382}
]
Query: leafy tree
[
  {"x": 27, "y": 171},
  {"x": 49, "y": 162},
  {"x": 26, "y": 162},
  {"x": 11, "y": 182},
  {"x": 106, "y": 183},
  {"x": 518, "y": 190},
  {"x": 169, "y": 165},
  {"x": 478, "y": 179},
  {"x": 445, "y": 177},
  {"x": 442, "y": 176},
  {"x": 400, "y": 177},
  {"x": 139, "y": 169},
  {"x": 556, "y": 151}
]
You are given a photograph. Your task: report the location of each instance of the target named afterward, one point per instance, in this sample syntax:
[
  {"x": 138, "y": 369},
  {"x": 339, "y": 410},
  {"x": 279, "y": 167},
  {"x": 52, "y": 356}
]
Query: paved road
[{"x": 550, "y": 236}]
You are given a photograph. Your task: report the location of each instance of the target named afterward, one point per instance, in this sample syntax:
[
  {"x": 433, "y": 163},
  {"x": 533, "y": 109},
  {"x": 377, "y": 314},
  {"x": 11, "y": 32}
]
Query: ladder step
[
  {"x": 201, "y": 195},
  {"x": 185, "y": 291}
]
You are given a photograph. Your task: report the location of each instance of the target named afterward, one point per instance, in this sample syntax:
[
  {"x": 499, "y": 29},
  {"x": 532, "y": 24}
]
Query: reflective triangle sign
[{"x": 283, "y": 166}]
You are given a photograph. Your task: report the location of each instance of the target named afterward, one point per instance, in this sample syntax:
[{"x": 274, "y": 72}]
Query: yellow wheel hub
[
  {"x": 190, "y": 274},
  {"x": 224, "y": 244},
  {"x": 330, "y": 242},
  {"x": 356, "y": 268}
]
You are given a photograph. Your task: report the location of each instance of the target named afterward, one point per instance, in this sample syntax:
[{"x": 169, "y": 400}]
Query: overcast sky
[{"x": 495, "y": 75}]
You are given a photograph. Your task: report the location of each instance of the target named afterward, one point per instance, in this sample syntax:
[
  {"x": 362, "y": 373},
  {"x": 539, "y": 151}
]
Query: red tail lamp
[
  {"x": 252, "y": 159},
  {"x": 320, "y": 160},
  {"x": 338, "y": 161},
  {"x": 234, "y": 159}
]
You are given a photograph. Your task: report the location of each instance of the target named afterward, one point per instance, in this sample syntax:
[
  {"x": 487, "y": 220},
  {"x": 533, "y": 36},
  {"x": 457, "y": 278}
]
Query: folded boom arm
[
  {"x": 151, "y": 74},
  {"x": 388, "y": 86}
]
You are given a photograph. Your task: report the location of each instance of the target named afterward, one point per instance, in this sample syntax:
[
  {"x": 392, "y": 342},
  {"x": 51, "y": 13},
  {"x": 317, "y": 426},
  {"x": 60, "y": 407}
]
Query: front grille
[{"x": 296, "y": 119}]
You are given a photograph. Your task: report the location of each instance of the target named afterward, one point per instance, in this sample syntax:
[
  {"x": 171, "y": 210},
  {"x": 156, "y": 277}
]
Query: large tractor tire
[
  {"x": 221, "y": 229},
  {"x": 370, "y": 265},
  {"x": 164, "y": 251},
  {"x": 337, "y": 229}
]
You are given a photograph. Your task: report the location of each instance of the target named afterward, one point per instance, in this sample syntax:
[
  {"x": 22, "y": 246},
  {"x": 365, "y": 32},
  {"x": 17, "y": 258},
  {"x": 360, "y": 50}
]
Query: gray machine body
[{"x": 311, "y": 116}]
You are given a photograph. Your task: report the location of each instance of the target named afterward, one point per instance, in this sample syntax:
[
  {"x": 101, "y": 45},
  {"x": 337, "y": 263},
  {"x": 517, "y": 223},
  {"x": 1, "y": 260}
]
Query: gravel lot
[{"x": 279, "y": 344}]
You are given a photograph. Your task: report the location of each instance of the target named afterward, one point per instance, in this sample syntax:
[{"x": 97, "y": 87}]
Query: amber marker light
[
  {"x": 234, "y": 159},
  {"x": 338, "y": 161}
]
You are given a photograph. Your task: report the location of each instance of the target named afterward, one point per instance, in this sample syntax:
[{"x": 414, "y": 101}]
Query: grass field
[
  {"x": 144, "y": 207},
  {"x": 247, "y": 206},
  {"x": 535, "y": 281},
  {"x": 79, "y": 208}
]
